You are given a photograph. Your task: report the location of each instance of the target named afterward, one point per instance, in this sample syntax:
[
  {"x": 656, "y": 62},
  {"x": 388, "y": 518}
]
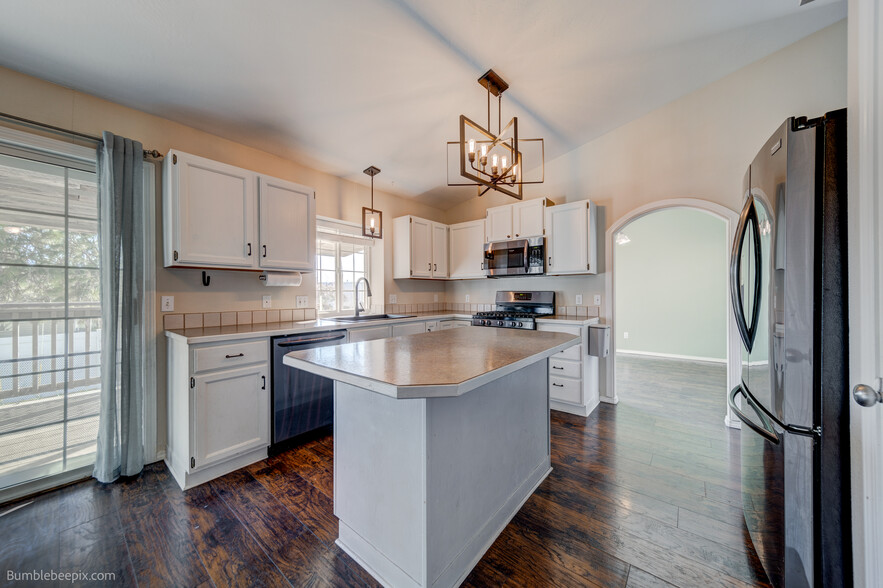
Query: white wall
[{"x": 696, "y": 147}]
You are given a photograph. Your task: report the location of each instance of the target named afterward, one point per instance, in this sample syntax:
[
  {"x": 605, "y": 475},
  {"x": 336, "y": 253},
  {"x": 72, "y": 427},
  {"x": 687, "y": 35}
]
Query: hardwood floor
[{"x": 645, "y": 493}]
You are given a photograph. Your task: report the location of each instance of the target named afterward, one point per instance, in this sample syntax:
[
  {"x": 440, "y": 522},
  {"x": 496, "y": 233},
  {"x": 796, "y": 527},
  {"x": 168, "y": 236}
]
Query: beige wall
[
  {"x": 29, "y": 97},
  {"x": 696, "y": 147}
]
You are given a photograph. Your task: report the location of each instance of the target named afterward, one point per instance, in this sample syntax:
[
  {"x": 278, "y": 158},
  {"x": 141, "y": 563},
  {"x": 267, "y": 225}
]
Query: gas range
[{"x": 517, "y": 310}]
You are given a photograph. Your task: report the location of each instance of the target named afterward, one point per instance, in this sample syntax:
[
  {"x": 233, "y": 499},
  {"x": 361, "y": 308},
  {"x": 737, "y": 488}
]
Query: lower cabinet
[
  {"x": 409, "y": 329},
  {"x": 218, "y": 408},
  {"x": 368, "y": 333},
  {"x": 573, "y": 374}
]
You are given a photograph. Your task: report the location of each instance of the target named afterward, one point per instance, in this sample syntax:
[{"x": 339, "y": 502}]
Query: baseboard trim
[{"x": 672, "y": 356}]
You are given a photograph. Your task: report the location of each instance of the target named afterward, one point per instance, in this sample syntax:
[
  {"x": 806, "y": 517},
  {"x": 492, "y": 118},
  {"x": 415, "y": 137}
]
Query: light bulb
[
  {"x": 372, "y": 224},
  {"x": 503, "y": 162},
  {"x": 471, "y": 145},
  {"x": 515, "y": 170},
  {"x": 494, "y": 160},
  {"x": 484, "y": 150}
]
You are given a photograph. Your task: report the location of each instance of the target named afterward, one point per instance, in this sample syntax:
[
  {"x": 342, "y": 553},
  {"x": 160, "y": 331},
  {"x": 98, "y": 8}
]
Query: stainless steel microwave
[{"x": 519, "y": 257}]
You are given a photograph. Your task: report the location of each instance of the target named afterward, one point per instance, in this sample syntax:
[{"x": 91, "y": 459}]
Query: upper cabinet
[
  {"x": 467, "y": 250},
  {"x": 516, "y": 221},
  {"x": 221, "y": 216},
  {"x": 287, "y": 225},
  {"x": 571, "y": 239},
  {"x": 420, "y": 248}
]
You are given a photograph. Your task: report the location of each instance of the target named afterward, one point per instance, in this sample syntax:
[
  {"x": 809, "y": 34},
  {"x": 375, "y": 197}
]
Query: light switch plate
[
  {"x": 625, "y": 335},
  {"x": 579, "y": 299},
  {"x": 267, "y": 302},
  {"x": 168, "y": 303},
  {"x": 597, "y": 300},
  {"x": 467, "y": 298},
  {"x": 435, "y": 297},
  {"x": 301, "y": 301},
  {"x": 393, "y": 299}
]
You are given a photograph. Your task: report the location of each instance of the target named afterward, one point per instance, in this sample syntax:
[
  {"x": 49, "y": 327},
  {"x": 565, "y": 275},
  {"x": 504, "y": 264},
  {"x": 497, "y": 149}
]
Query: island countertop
[{"x": 441, "y": 363}]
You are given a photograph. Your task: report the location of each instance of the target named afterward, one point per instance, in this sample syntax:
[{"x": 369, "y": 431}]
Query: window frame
[{"x": 338, "y": 270}]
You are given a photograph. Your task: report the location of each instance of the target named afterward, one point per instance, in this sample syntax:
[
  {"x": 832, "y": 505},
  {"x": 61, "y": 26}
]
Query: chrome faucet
[{"x": 367, "y": 292}]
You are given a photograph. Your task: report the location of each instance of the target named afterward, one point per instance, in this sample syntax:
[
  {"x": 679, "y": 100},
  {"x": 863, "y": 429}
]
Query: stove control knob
[
  {"x": 499, "y": 323},
  {"x": 520, "y": 324}
]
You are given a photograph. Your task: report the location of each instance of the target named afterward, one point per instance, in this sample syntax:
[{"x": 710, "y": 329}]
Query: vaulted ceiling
[{"x": 343, "y": 84}]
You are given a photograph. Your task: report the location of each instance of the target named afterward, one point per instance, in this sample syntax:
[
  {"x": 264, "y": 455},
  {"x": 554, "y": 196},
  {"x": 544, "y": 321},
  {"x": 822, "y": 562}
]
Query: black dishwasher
[{"x": 302, "y": 402}]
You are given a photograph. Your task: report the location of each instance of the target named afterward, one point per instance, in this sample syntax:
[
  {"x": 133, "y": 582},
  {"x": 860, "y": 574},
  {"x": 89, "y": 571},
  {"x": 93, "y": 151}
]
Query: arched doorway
[{"x": 730, "y": 217}]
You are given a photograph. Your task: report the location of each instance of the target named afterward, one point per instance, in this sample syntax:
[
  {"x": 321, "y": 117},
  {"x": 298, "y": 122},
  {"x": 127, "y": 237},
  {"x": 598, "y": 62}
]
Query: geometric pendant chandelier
[
  {"x": 372, "y": 219},
  {"x": 495, "y": 161}
]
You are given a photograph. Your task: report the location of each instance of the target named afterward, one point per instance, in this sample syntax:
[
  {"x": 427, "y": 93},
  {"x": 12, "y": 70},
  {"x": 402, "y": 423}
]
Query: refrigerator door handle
[
  {"x": 765, "y": 429},
  {"x": 767, "y": 417},
  {"x": 748, "y": 219}
]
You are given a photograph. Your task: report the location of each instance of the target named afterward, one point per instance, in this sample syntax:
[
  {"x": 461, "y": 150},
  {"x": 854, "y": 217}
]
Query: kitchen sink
[{"x": 368, "y": 318}]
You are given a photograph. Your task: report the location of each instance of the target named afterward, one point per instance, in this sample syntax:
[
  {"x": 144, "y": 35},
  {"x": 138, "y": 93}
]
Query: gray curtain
[{"x": 121, "y": 237}]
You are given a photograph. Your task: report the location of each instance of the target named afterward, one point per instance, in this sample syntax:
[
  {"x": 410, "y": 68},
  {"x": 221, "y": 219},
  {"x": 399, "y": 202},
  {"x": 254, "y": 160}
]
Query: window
[
  {"x": 50, "y": 325},
  {"x": 342, "y": 257}
]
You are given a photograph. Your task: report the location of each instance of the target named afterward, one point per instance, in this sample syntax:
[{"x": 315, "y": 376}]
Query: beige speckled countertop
[
  {"x": 230, "y": 333},
  {"x": 440, "y": 363}
]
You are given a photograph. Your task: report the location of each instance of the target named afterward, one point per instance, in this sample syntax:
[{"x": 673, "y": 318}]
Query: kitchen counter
[
  {"x": 442, "y": 363},
  {"x": 232, "y": 332},
  {"x": 439, "y": 438}
]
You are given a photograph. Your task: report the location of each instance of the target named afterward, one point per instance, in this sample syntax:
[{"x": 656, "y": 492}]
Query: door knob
[{"x": 867, "y": 396}]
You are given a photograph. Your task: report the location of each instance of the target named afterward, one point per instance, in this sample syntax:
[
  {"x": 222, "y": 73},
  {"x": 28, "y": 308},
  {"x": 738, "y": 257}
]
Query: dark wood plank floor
[{"x": 645, "y": 493}]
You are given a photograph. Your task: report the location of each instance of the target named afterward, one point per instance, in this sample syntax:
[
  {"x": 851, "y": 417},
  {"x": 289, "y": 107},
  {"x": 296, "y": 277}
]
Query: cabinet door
[
  {"x": 408, "y": 329},
  {"x": 231, "y": 413},
  {"x": 421, "y": 248},
  {"x": 287, "y": 225},
  {"x": 467, "y": 250},
  {"x": 439, "y": 250},
  {"x": 368, "y": 333},
  {"x": 499, "y": 223},
  {"x": 567, "y": 239},
  {"x": 211, "y": 213},
  {"x": 527, "y": 218}
]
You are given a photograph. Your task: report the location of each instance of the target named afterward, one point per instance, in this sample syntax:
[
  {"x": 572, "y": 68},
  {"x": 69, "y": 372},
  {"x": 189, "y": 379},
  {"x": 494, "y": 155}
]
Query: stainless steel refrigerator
[{"x": 788, "y": 289}]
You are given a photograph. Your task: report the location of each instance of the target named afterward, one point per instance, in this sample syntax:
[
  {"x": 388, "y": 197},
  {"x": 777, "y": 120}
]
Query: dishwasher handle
[{"x": 300, "y": 342}]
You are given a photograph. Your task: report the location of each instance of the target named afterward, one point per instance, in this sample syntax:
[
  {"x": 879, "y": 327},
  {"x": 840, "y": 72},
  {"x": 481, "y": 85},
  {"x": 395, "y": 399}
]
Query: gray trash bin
[{"x": 599, "y": 340}]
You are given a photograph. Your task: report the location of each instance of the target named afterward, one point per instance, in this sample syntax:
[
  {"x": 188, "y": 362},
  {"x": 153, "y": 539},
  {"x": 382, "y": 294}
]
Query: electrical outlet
[
  {"x": 393, "y": 299},
  {"x": 597, "y": 300},
  {"x": 467, "y": 298},
  {"x": 625, "y": 334},
  {"x": 168, "y": 303},
  {"x": 267, "y": 302},
  {"x": 301, "y": 301},
  {"x": 435, "y": 297},
  {"x": 579, "y": 299}
]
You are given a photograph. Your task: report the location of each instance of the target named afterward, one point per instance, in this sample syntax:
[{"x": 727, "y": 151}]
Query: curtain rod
[{"x": 25, "y": 121}]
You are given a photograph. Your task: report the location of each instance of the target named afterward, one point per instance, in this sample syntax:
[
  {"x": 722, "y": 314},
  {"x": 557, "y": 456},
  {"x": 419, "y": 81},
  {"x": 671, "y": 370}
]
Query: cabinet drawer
[
  {"x": 432, "y": 326},
  {"x": 212, "y": 357},
  {"x": 574, "y": 353},
  {"x": 564, "y": 367},
  {"x": 565, "y": 389}
]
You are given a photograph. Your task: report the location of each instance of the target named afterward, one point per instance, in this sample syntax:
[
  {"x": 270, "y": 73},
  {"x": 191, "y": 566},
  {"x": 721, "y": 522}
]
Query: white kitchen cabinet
[
  {"x": 439, "y": 250},
  {"x": 573, "y": 374},
  {"x": 467, "y": 250},
  {"x": 218, "y": 408},
  {"x": 221, "y": 216},
  {"x": 571, "y": 240},
  {"x": 499, "y": 223},
  {"x": 408, "y": 329},
  {"x": 208, "y": 213},
  {"x": 420, "y": 248},
  {"x": 368, "y": 333},
  {"x": 287, "y": 225}
]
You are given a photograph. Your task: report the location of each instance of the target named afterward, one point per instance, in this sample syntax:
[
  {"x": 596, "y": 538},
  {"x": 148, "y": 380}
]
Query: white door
[
  {"x": 421, "y": 248},
  {"x": 467, "y": 249},
  {"x": 865, "y": 248},
  {"x": 231, "y": 412},
  {"x": 288, "y": 225},
  {"x": 439, "y": 250},
  {"x": 527, "y": 218},
  {"x": 567, "y": 240},
  {"x": 213, "y": 209},
  {"x": 499, "y": 223}
]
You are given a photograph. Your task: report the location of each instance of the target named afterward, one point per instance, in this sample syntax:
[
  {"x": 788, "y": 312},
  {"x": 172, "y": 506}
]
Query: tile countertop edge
[
  {"x": 427, "y": 390},
  {"x": 253, "y": 331}
]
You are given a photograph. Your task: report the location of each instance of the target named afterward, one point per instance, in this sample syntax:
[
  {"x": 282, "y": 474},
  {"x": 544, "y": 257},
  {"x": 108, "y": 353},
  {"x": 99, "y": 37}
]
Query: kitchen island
[{"x": 439, "y": 438}]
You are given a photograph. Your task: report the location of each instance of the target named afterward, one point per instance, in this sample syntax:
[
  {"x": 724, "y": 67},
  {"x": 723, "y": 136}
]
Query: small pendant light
[{"x": 372, "y": 219}]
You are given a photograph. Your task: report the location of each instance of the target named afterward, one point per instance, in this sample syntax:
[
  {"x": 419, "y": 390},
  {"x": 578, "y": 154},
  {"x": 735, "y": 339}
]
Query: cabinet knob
[
  {"x": 508, "y": 236},
  {"x": 516, "y": 234}
]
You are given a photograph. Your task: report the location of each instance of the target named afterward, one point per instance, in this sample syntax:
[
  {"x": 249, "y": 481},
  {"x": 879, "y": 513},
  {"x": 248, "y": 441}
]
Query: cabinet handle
[
  {"x": 237, "y": 355},
  {"x": 557, "y": 367},
  {"x": 264, "y": 382},
  {"x": 249, "y": 249},
  {"x": 430, "y": 266},
  {"x": 435, "y": 267},
  {"x": 265, "y": 251},
  {"x": 550, "y": 260},
  {"x": 557, "y": 385}
]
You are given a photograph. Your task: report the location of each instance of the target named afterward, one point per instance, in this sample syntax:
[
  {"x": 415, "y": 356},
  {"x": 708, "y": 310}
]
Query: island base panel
[{"x": 424, "y": 486}]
